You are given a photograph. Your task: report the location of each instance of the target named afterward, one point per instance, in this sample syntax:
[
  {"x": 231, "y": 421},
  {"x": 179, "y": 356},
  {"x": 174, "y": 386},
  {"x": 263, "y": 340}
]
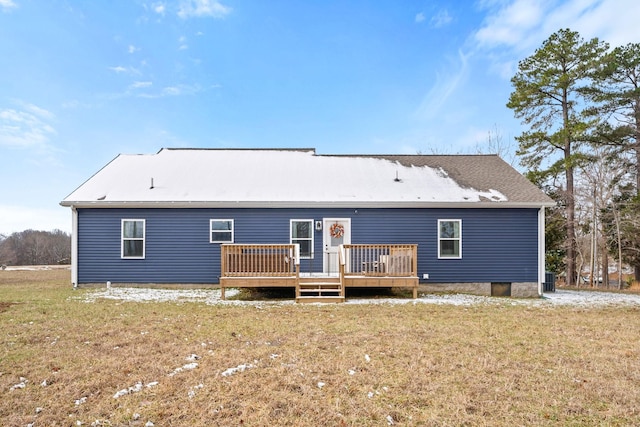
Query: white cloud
[
  {"x": 118, "y": 69},
  {"x": 202, "y": 8},
  {"x": 27, "y": 127},
  {"x": 176, "y": 90},
  {"x": 514, "y": 29},
  {"x": 182, "y": 90},
  {"x": 133, "y": 49},
  {"x": 522, "y": 25},
  {"x": 445, "y": 85},
  {"x": 126, "y": 70},
  {"x": 183, "y": 43},
  {"x": 173, "y": 90},
  {"x": 440, "y": 19},
  {"x": 614, "y": 21},
  {"x": 420, "y": 17},
  {"x": 41, "y": 112},
  {"x": 6, "y": 5},
  {"x": 142, "y": 89},
  {"x": 511, "y": 24},
  {"x": 159, "y": 8},
  {"x": 140, "y": 85}
]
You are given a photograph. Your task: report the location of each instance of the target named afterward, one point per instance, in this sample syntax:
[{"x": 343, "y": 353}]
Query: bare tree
[
  {"x": 495, "y": 144},
  {"x": 31, "y": 247}
]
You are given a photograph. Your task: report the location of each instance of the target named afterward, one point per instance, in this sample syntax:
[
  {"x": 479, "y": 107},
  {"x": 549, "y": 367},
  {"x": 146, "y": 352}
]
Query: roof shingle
[{"x": 300, "y": 177}]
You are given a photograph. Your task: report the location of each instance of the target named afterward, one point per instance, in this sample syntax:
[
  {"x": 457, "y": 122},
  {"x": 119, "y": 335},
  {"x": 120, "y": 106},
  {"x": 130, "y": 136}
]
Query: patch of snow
[
  {"x": 321, "y": 384},
  {"x": 212, "y": 297},
  {"x": 208, "y": 296},
  {"x": 81, "y": 400},
  {"x": 187, "y": 367},
  {"x": 22, "y": 384},
  {"x": 187, "y": 176},
  {"x": 137, "y": 387},
  {"x": 194, "y": 389},
  {"x": 36, "y": 267},
  {"x": 239, "y": 368}
]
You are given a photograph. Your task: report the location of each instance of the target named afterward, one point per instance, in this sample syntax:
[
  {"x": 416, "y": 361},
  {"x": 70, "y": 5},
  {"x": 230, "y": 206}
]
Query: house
[{"x": 319, "y": 223}]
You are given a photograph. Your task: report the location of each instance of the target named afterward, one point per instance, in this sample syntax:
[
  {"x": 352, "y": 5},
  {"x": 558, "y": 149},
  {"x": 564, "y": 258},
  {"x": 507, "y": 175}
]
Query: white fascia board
[{"x": 303, "y": 204}]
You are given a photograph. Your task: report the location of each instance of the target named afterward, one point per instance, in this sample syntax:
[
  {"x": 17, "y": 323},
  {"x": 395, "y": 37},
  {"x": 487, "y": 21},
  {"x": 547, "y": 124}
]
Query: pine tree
[
  {"x": 617, "y": 96},
  {"x": 548, "y": 96}
]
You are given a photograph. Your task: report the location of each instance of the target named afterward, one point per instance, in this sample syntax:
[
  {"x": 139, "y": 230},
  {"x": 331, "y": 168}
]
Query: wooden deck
[{"x": 278, "y": 265}]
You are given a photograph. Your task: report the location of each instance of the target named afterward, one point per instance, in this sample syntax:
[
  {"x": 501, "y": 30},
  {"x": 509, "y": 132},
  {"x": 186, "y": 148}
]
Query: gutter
[
  {"x": 74, "y": 247},
  {"x": 301, "y": 204}
]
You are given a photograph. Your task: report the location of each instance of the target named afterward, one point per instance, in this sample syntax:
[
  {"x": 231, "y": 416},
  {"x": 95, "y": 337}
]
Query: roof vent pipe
[
  {"x": 396, "y": 178},
  {"x": 151, "y": 188}
]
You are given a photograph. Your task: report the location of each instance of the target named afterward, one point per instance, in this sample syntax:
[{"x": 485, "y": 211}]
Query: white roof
[{"x": 270, "y": 178}]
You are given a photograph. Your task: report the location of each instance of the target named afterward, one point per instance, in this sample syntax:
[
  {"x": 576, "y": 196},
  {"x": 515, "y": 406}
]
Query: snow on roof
[{"x": 228, "y": 177}]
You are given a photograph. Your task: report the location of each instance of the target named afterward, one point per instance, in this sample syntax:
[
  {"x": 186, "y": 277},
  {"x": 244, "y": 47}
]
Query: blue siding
[{"x": 499, "y": 245}]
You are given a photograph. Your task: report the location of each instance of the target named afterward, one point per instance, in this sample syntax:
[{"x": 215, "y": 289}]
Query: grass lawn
[{"x": 67, "y": 362}]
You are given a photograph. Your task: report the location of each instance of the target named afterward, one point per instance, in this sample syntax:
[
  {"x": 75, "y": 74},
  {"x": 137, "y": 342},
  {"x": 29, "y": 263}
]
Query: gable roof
[{"x": 301, "y": 178}]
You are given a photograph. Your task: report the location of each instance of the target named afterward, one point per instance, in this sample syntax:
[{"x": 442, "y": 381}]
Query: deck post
[
  {"x": 295, "y": 256},
  {"x": 342, "y": 259},
  {"x": 414, "y": 269}
]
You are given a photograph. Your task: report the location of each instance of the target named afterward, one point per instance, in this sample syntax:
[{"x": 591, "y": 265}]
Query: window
[
  {"x": 133, "y": 235},
  {"x": 302, "y": 233},
  {"x": 449, "y": 238},
  {"x": 221, "y": 231}
]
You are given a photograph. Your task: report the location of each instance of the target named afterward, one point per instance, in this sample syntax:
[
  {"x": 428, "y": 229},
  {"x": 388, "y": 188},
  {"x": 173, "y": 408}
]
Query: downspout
[
  {"x": 541, "y": 251},
  {"x": 74, "y": 247}
]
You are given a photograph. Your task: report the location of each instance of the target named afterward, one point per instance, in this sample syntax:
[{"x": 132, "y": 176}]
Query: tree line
[
  {"x": 32, "y": 247},
  {"x": 580, "y": 103}
]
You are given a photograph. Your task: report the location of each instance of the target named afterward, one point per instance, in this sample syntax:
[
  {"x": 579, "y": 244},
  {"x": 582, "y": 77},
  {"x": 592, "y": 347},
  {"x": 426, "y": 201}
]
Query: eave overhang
[{"x": 300, "y": 204}]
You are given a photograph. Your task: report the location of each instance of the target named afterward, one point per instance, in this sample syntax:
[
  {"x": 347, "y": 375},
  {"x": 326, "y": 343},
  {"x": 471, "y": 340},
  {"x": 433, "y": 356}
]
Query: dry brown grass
[{"x": 343, "y": 365}]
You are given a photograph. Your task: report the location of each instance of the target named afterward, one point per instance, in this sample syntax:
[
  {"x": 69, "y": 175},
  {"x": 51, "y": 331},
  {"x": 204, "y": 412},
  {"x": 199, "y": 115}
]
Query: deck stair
[{"x": 320, "y": 289}]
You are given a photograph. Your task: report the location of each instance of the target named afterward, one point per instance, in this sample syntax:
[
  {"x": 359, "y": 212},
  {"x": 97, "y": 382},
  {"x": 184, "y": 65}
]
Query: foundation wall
[{"x": 518, "y": 289}]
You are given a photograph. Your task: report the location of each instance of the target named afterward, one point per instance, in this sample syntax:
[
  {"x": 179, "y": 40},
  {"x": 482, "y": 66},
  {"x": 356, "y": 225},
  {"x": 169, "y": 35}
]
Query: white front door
[{"x": 335, "y": 232}]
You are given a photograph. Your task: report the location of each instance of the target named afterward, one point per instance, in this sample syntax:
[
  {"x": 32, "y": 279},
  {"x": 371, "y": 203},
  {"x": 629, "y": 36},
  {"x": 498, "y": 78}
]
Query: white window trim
[
  {"x": 143, "y": 238},
  {"x": 211, "y": 230},
  {"x": 312, "y": 231},
  {"x": 440, "y": 256}
]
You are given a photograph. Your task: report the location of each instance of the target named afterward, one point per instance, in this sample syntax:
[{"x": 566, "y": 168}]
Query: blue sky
[{"x": 82, "y": 81}]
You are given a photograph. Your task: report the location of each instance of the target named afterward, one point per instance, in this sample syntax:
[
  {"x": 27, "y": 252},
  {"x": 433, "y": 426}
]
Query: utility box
[{"x": 549, "y": 284}]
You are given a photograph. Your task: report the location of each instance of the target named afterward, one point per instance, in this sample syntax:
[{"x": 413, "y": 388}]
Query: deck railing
[
  {"x": 379, "y": 260},
  {"x": 260, "y": 260}
]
